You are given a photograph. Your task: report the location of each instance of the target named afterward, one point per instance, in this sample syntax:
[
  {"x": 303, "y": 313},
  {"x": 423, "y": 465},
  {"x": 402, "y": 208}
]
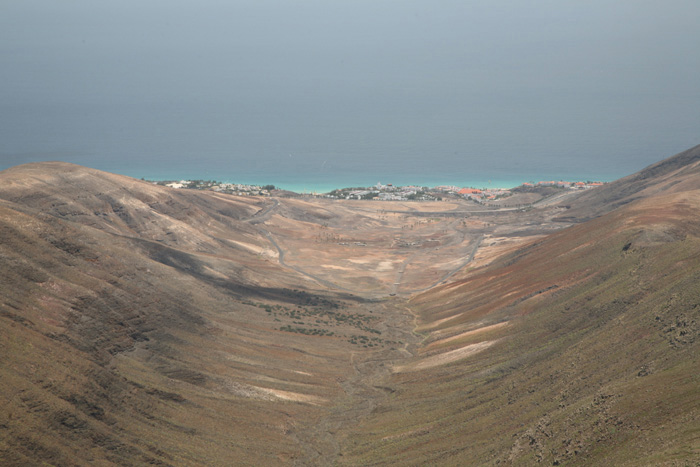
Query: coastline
[
  {"x": 304, "y": 185},
  {"x": 304, "y": 182}
]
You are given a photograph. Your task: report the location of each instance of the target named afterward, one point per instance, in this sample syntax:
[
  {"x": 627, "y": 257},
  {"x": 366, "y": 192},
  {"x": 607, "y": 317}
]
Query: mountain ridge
[
  {"x": 576, "y": 339},
  {"x": 138, "y": 321},
  {"x": 680, "y": 168}
]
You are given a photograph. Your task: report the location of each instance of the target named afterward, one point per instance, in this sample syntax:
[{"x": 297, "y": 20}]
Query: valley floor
[{"x": 146, "y": 325}]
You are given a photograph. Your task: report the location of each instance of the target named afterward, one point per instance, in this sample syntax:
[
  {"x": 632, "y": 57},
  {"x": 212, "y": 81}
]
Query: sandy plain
[{"x": 377, "y": 249}]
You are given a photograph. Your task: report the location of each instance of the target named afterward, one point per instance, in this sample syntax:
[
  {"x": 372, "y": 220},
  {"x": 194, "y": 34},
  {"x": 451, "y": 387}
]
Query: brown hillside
[
  {"x": 146, "y": 325},
  {"x": 674, "y": 174},
  {"x": 580, "y": 348},
  {"x": 140, "y": 324}
]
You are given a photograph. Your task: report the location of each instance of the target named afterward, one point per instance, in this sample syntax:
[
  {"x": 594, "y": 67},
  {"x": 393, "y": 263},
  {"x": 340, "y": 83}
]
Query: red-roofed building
[{"x": 469, "y": 191}]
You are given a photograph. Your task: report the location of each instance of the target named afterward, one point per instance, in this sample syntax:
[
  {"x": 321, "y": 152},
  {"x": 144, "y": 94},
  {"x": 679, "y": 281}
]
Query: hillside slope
[
  {"x": 146, "y": 325},
  {"x": 581, "y": 348},
  {"x": 676, "y": 173}
]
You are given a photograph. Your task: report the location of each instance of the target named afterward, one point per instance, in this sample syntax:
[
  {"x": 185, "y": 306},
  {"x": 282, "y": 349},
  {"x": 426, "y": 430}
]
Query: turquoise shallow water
[{"x": 323, "y": 183}]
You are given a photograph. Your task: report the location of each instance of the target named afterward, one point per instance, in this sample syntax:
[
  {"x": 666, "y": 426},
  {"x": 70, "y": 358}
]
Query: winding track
[
  {"x": 469, "y": 259},
  {"x": 264, "y": 214},
  {"x": 298, "y": 269}
]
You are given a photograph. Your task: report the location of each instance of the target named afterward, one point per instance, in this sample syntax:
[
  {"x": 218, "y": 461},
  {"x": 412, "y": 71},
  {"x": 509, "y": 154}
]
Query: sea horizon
[{"x": 330, "y": 95}]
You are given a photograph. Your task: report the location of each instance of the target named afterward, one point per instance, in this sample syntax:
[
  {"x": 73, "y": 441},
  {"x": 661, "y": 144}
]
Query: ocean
[
  {"x": 312, "y": 96},
  {"x": 321, "y": 150}
]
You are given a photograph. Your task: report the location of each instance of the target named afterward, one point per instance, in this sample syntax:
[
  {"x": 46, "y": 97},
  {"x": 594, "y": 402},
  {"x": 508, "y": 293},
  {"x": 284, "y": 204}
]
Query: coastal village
[
  {"x": 219, "y": 187},
  {"x": 388, "y": 192}
]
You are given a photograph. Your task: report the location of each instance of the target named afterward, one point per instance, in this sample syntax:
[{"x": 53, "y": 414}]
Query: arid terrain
[{"x": 141, "y": 324}]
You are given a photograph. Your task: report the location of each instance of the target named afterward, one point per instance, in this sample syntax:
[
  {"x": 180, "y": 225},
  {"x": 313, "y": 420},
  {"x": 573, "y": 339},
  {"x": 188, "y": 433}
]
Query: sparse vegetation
[{"x": 137, "y": 322}]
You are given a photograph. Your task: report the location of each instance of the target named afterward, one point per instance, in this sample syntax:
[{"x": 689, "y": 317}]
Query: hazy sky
[{"x": 569, "y": 84}]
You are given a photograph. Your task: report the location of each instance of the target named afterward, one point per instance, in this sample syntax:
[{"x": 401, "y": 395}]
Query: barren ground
[
  {"x": 379, "y": 249},
  {"x": 194, "y": 328},
  {"x": 384, "y": 252}
]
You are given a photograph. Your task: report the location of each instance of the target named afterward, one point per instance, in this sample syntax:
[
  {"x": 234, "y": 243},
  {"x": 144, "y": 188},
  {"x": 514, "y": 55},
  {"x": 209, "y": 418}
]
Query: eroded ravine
[{"x": 365, "y": 387}]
